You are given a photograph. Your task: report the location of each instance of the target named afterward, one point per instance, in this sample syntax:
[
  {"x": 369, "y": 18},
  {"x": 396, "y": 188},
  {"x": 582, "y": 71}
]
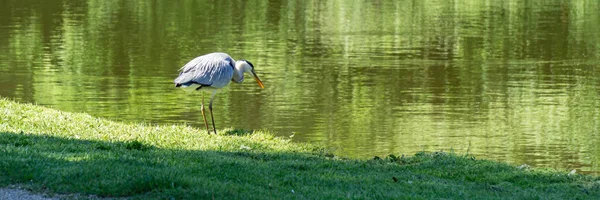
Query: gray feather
[{"x": 214, "y": 70}]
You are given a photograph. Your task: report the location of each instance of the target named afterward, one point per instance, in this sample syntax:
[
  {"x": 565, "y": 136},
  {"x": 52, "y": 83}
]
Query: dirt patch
[{"x": 19, "y": 194}]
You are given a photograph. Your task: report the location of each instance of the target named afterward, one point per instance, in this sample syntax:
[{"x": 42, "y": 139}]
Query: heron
[{"x": 212, "y": 72}]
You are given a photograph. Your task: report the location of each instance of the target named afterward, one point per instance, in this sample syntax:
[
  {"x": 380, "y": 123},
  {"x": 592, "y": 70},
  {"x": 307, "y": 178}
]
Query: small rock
[
  {"x": 245, "y": 147},
  {"x": 524, "y": 166}
]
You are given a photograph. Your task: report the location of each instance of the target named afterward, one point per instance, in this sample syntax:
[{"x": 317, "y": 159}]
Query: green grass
[{"x": 64, "y": 153}]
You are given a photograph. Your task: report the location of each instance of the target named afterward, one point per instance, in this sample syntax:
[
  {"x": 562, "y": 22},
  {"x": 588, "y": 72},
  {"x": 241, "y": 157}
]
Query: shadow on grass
[
  {"x": 135, "y": 169},
  {"x": 132, "y": 168}
]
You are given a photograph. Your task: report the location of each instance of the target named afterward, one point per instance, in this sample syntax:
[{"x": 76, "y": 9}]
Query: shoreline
[{"x": 56, "y": 152}]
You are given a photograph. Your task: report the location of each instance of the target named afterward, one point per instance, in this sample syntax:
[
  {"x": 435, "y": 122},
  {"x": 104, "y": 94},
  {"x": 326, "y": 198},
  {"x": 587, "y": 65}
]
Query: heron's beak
[{"x": 257, "y": 80}]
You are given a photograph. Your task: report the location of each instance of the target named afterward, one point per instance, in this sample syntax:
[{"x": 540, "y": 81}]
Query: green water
[{"x": 514, "y": 81}]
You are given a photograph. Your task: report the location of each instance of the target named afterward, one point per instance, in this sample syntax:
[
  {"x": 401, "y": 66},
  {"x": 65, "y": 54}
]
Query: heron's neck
[{"x": 238, "y": 73}]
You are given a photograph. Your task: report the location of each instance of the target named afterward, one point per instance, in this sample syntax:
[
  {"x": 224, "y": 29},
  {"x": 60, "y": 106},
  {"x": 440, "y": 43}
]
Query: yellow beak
[{"x": 258, "y": 80}]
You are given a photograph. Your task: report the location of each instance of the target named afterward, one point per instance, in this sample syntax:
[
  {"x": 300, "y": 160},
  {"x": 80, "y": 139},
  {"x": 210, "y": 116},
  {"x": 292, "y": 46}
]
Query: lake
[{"x": 512, "y": 81}]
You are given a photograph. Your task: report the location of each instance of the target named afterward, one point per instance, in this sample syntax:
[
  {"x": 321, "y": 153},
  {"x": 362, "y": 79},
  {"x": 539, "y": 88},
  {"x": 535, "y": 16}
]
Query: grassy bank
[{"x": 52, "y": 151}]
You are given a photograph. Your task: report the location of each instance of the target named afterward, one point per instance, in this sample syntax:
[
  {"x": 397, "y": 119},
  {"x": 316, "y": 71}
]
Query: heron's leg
[
  {"x": 204, "y": 116},
  {"x": 210, "y": 108}
]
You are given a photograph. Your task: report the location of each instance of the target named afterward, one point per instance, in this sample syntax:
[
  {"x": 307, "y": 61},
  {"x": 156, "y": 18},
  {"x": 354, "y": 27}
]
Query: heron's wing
[{"x": 213, "y": 70}]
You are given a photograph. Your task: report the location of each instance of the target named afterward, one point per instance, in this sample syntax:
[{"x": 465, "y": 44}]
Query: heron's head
[{"x": 247, "y": 66}]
